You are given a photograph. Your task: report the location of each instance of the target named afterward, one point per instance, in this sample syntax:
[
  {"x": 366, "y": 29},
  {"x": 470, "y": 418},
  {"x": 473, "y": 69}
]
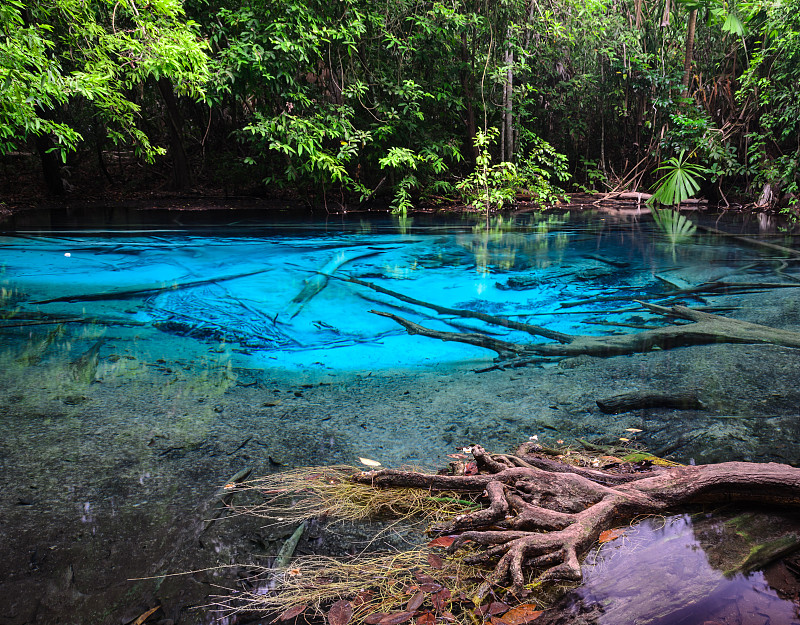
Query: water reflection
[{"x": 682, "y": 571}]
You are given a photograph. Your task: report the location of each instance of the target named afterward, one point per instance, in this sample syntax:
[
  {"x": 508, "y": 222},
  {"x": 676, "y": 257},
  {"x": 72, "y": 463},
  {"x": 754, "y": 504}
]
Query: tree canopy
[{"x": 470, "y": 100}]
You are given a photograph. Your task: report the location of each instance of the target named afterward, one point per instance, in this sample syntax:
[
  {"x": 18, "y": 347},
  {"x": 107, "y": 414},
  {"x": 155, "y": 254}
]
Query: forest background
[{"x": 352, "y": 102}]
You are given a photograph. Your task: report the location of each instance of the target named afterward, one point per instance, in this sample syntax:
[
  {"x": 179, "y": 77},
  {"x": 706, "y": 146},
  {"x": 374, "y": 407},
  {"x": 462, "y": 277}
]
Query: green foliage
[
  {"x": 489, "y": 187},
  {"x": 357, "y": 95},
  {"x": 674, "y": 226},
  {"x": 55, "y": 54},
  {"x": 679, "y": 182},
  {"x": 542, "y": 170},
  {"x": 316, "y": 149}
]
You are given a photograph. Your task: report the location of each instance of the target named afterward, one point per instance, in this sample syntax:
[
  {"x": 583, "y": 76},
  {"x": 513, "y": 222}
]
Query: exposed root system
[
  {"x": 540, "y": 512},
  {"x": 331, "y": 492}
]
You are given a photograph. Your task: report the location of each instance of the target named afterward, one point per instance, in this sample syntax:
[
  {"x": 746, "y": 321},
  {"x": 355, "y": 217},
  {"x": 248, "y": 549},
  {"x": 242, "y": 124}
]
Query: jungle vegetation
[{"x": 346, "y": 102}]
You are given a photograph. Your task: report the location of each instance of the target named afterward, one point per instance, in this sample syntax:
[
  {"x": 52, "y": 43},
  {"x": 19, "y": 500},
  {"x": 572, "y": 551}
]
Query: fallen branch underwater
[{"x": 705, "y": 328}]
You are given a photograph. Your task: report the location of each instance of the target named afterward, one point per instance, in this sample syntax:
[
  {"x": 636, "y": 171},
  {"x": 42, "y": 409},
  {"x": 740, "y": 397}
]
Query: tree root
[{"x": 542, "y": 521}]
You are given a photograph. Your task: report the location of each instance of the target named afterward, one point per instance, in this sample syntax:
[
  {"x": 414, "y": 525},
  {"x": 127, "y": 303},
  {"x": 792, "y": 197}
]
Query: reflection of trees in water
[{"x": 517, "y": 242}]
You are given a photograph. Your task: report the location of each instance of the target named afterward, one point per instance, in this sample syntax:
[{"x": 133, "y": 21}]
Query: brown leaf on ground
[
  {"x": 442, "y": 541},
  {"x": 440, "y": 599},
  {"x": 365, "y": 596},
  {"x": 435, "y": 561},
  {"x": 496, "y": 608},
  {"x": 424, "y": 578},
  {"x": 340, "y": 613},
  {"x": 426, "y": 618},
  {"x": 520, "y": 615},
  {"x": 291, "y": 613},
  {"x": 396, "y": 618},
  {"x": 415, "y": 602},
  {"x": 142, "y": 618}
]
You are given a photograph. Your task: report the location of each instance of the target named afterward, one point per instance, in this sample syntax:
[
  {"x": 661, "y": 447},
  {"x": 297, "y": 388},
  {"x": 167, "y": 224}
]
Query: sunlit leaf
[
  {"x": 609, "y": 535},
  {"x": 520, "y": 615}
]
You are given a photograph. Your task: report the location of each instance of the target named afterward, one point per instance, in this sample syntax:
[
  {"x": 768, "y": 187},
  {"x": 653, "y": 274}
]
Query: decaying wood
[
  {"x": 460, "y": 312},
  {"x": 636, "y": 400},
  {"x": 639, "y": 197},
  {"x": 705, "y": 329},
  {"x": 148, "y": 289},
  {"x": 537, "y": 521}
]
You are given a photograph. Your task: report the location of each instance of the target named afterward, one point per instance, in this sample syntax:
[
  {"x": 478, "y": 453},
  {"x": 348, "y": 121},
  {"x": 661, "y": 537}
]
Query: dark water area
[
  {"x": 148, "y": 356},
  {"x": 683, "y": 570}
]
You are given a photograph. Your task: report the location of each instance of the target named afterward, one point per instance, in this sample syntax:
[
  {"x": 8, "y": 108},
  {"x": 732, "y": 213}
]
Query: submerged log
[
  {"x": 626, "y": 402},
  {"x": 460, "y": 312},
  {"x": 706, "y": 329},
  {"x": 319, "y": 281},
  {"x": 147, "y": 289}
]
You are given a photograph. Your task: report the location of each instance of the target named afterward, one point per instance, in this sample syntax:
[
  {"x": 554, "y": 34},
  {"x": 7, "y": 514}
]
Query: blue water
[{"x": 531, "y": 269}]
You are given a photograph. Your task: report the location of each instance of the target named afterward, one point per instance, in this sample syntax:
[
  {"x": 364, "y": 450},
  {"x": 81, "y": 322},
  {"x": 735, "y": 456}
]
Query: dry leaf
[
  {"x": 340, "y": 613},
  {"x": 423, "y": 578},
  {"x": 141, "y": 619},
  {"x": 497, "y": 607},
  {"x": 374, "y": 619},
  {"x": 368, "y": 462},
  {"x": 624, "y": 440},
  {"x": 396, "y": 618},
  {"x": 457, "y": 456},
  {"x": 634, "y": 430},
  {"x": 442, "y": 541},
  {"x": 430, "y": 587},
  {"x": 426, "y": 619},
  {"x": 609, "y": 535},
  {"x": 435, "y": 561},
  {"x": 291, "y": 613},
  {"x": 521, "y": 615},
  {"x": 416, "y": 601},
  {"x": 441, "y": 599},
  {"x": 365, "y": 596},
  {"x": 471, "y": 468}
]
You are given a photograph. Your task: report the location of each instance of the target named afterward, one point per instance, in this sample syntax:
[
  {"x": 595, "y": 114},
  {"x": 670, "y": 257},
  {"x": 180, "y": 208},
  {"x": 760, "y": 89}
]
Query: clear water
[
  {"x": 243, "y": 288},
  {"x": 676, "y": 571},
  {"x": 141, "y": 366}
]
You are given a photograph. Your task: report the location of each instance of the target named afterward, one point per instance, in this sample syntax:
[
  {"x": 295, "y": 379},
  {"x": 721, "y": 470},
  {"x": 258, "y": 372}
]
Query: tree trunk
[
  {"x": 687, "y": 63},
  {"x": 509, "y": 108},
  {"x": 181, "y": 177},
  {"x": 471, "y": 152},
  {"x": 541, "y": 521}
]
